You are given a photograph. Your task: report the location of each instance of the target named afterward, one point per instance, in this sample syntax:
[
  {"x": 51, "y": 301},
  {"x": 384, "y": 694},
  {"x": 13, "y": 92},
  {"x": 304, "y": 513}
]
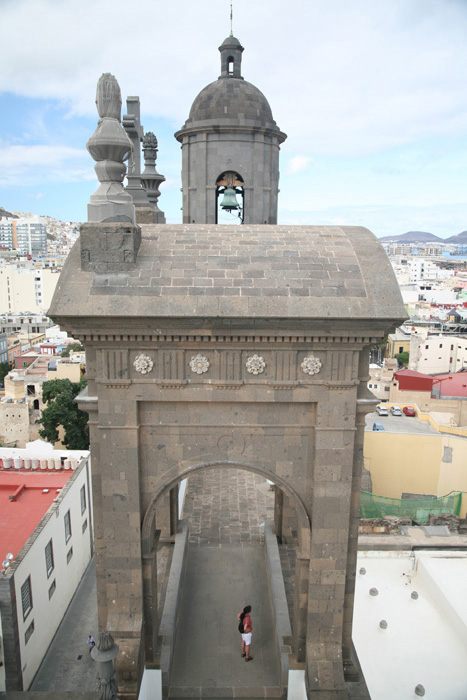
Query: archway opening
[
  {"x": 227, "y": 508},
  {"x": 230, "y": 198}
]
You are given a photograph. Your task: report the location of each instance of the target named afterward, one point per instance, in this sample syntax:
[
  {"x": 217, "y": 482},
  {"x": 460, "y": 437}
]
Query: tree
[
  {"x": 62, "y": 410},
  {"x": 76, "y": 347},
  {"x": 4, "y": 369},
  {"x": 402, "y": 358}
]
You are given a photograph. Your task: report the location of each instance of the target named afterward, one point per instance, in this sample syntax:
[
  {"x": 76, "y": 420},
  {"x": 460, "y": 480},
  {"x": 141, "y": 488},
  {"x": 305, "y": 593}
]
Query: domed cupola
[{"x": 230, "y": 141}]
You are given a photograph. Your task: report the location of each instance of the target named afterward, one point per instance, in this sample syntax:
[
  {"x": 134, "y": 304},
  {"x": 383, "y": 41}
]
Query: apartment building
[{"x": 46, "y": 545}]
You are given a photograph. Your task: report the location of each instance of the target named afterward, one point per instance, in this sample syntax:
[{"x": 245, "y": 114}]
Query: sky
[{"x": 372, "y": 96}]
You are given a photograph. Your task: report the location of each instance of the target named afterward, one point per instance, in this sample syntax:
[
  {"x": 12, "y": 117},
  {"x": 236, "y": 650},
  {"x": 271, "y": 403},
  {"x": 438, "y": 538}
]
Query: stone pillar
[
  {"x": 330, "y": 513},
  {"x": 278, "y": 512},
  {"x": 365, "y": 404},
  {"x": 151, "y": 622},
  {"x": 99, "y": 533},
  {"x": 119, "y": 454},
  {"x": 300, "y": 612},
  {"x": 167, "y": 515},
  {"x": 174, "y": 511},
  {"x": 133, "y": 127}
]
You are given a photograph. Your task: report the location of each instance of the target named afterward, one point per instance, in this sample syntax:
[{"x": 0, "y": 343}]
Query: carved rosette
[
  {"x": 255, "y": 364},
  {"x": 311, "y": 365},
  {"x": 143, "y": 364},
  {"x": 199, "y": 364}
]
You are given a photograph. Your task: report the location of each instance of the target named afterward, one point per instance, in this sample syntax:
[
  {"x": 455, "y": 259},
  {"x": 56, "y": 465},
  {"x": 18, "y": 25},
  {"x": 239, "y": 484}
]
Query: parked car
[
  {"x": 396, "y": 410},
  {"x": 378, "y": 426},
  {"x": 409, "y": 410},
  {"x": 382, "y": 410}
]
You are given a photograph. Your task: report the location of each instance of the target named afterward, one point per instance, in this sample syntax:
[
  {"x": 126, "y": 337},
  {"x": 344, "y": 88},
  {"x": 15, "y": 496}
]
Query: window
[
  {"x": 441, "y": 345},
  {"x": 452, "y": 347},
  {"x": 67, "y": 520},
  {"x": 26, "y": 597},
  {"x": 69, "y": 555},
  {"x": 426, "y": 347},
  {"x": 52, "y": 588},
  {"x": 84, "y": 526},
  {"x": 49, "y": 558},
  {"x": 28, "y": 633},
  {"x": 83, "y": 499}
]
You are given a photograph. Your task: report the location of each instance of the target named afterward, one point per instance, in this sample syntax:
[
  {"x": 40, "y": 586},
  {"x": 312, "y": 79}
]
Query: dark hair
[{"x": 247, "y": 609}]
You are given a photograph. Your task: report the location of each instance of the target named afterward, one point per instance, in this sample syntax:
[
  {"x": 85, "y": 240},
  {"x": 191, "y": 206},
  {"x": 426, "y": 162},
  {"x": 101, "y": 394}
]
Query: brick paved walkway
[
  {"x": 227, "y": 506},
  {"x": 225, "y": 570}
]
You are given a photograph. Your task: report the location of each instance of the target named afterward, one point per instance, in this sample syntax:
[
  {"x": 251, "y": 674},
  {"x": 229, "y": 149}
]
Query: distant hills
[{"x": 424, "y": 237}]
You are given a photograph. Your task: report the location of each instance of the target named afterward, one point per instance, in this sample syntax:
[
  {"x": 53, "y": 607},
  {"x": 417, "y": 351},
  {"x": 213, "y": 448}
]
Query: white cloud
[
  {"x": 28, "y": 165},
  {"x": 372, "y": 91},
  {"x": 341, "y": 77},
  {"x": 298, "y": 164}
]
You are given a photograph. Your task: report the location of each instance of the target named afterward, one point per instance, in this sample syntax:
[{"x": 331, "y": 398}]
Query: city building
[
  {"x": 437, "y": 354},
  {"x": 3, "y": 347},
  {"x": 24, "y": 322},
  {"x": 398, "y": 342},
  {"x": 28, "y": 236},
  {"x": 21, "y": 405},
  {"x": 24, "y": 288},
  {"x": 45, "y": 544},
  {"x": 424, "y": 459},
  {"x": 442, "y": 396}
]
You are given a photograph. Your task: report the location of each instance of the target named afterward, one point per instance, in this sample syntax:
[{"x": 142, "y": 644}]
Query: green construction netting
[{"x": 419, "y": 509}]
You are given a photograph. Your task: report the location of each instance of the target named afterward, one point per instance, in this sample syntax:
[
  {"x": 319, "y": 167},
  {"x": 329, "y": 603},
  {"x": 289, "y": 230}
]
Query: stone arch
[
  {"x": 304, "y": 529},
  {"x": 149, "y": 560}
]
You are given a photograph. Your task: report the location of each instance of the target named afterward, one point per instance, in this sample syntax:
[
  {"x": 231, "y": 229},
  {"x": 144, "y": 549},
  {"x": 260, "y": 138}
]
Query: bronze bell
[{"x": 229, "y": 200}]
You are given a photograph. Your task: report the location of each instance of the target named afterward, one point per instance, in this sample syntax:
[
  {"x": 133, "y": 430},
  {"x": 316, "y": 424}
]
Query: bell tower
[{"x": 230, "y": 150}]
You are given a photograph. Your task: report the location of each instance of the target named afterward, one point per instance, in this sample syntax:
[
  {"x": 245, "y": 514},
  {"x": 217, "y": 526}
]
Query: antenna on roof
[{"x": 231, "y": 19}]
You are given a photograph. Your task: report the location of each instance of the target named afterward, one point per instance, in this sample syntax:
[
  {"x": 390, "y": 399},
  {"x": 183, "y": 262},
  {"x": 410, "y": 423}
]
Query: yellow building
[
  {"x": 397, "y": 342},
  {"x": 428, "y": 464}
]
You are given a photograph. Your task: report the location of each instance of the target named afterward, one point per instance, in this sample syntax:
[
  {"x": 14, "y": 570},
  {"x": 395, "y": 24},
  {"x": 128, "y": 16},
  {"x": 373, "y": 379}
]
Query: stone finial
[
  {"x": 106, "y": 642},
  {"x": 110, "y": 147},
  {"x": 150, "y": 178},
  {"x": 108, "y": 97},
  {"x": 104, "y": 653}
]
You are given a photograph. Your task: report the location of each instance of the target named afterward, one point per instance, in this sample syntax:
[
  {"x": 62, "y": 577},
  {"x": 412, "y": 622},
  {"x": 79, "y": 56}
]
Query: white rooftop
[{"x": 425, "y": 642}]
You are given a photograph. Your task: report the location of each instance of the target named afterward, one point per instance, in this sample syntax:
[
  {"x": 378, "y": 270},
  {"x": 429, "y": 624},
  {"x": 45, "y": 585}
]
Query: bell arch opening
[{"x": 230, "y": 198}]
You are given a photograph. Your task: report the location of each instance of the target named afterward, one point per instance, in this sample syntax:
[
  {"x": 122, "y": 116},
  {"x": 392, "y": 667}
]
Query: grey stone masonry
[
  {"x": 289, "y": 272},
  {"x": 230, "y": 129},
  {"x": 241, "y": 347}
]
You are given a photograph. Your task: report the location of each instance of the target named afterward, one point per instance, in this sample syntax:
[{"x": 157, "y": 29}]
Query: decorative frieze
[
  {"x": 311, "y": 364},
  {"x": 143, "y": 364},
  {"x": 227, "y": 366},
  {"x": 255, "y": 364},
  {"x": 199, "y": 364}
]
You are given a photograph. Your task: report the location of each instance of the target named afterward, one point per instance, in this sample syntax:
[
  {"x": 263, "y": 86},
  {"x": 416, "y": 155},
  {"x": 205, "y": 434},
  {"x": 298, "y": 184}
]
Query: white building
[
  {"x": 46, "y": 545},
  {"x": 437, "y": 354},
  {"x": 28, "y": 235},
  {"x": 25, "y": 288}
]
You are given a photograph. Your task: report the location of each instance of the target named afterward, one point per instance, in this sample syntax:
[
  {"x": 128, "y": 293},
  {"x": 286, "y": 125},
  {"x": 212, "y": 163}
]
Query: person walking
[
  {"x": 91, "y": 643},
  {"x": 245, "y": 627}
]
